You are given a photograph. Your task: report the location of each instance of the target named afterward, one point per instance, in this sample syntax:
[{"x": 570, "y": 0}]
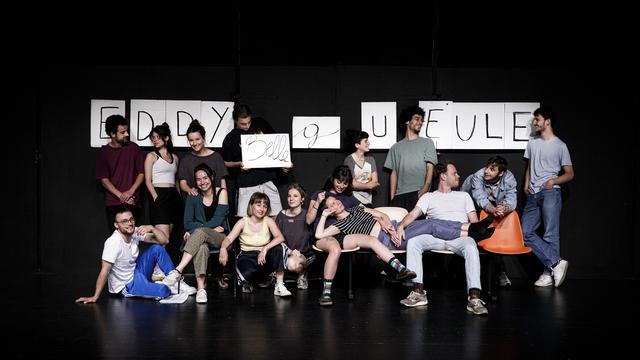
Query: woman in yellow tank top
[{"x": 261, "y": 251}]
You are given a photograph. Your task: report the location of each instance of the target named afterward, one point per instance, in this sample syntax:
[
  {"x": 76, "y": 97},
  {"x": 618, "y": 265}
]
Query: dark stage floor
[{"x": 578, "y": 320}]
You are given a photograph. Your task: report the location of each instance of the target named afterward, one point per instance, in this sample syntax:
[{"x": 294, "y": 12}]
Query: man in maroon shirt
[{"x": 120, "y": 169}]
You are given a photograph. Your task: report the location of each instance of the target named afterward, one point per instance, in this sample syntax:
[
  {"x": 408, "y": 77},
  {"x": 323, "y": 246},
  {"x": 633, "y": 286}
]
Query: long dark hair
[
  {"x": 212, "y": 176},
  {"x": 164, "y": 132},
  {"x": 342, "y": 174}
]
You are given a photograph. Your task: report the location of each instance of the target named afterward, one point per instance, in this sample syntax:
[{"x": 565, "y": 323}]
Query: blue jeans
[
  {"x": 141, "y": 285},
  {"x": 543, "y": 207}
]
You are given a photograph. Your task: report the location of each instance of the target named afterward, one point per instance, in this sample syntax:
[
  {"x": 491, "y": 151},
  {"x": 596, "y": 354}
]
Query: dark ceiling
[{"x": 480, "y": 35}]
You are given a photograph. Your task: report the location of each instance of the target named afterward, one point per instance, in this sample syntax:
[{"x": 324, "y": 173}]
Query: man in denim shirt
[{"x": 494, "y": 189}]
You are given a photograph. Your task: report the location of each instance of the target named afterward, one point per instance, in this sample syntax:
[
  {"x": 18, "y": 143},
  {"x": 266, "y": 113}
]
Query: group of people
[{"x": 340, "y": 216}]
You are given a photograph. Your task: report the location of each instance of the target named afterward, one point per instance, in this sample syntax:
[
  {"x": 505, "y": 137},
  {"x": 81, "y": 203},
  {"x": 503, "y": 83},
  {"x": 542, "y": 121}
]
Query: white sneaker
[
  {"x": 503, "y": 280},
  {"x": 559, "y": 272},
  {"x": 281, "y": 290},
  {"x": 201, "y": 296},
  {"x": 157, "y": 274},
  {"x": 186, "y": 288},
  {"x": 544, "y": 280}
]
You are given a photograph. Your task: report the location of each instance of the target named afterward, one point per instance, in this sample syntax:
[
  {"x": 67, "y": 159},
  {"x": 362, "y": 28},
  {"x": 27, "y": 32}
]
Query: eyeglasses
[{"x": 127, "y": 221}]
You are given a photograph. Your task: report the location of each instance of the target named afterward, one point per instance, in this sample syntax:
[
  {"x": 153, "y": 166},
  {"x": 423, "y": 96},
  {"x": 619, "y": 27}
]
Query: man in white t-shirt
[
  {"x": 127, "y": 273},
  {"x": 444, "y": 204}
]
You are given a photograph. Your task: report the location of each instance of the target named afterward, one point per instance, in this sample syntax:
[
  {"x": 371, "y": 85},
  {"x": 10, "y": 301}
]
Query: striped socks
[{"x": 396, "y": 264}]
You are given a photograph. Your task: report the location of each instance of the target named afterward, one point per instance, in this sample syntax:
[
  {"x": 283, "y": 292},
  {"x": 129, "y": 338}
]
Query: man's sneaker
[
  {"x": 186, "y": 288},
  {"x": 415, "y": 299},
  {"x": 325, "y": 300},
  {"x": 477, "y": 307},
  {"x": 405, "y": 274},
  {"x": 302, "y": 282},
  {"x": 247, "y": 288},
  {"x": 559, "y": 272},
  {"x": 544, "y": 280},
  {"x": 201, "y": 296},
  {"x": 281, "y": 290},
  {"x": 503, "y": 280},
  {"x": 172, "y": 278},
  {"x": 157, "y": 275},
  {"x": 270, "y": 280}
]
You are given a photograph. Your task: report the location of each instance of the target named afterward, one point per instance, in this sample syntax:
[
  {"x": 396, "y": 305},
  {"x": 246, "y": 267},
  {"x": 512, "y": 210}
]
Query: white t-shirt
[
  {"x": 123, "y": 256},
  {"x": 454, "y": 205}
]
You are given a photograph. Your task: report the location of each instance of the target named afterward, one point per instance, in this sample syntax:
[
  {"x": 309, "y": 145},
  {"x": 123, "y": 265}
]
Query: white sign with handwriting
[
  {"x": 378, "y": 119},
  {"x": 145, "y": 115},
  {"x": 265, "y": 150},
  {"x": 316, "y": 132},
  {"x": 100, "y": 111}
]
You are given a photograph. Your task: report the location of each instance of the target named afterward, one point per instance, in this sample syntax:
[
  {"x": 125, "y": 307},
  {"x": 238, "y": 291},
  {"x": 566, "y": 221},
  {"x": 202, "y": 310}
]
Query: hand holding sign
[{"x": 265, "y": 151}]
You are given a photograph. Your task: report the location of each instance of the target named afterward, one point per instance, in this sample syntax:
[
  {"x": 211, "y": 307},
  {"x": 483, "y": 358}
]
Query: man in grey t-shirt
[
  {"x": 411, "y": 161},
  {"x": 547, "y": 156}
]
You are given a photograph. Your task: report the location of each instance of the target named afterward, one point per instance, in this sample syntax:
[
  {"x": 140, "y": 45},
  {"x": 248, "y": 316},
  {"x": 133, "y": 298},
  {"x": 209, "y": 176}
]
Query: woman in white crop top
[{"x": 160, "y": 168}]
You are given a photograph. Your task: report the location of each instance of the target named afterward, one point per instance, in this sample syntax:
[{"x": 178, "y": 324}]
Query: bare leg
[
  {"x": 368, "y": 242},
  {"x": 186, "y": 258},
  {"x": 201, "y": 281},
  {"x": 332, "y": 248}
]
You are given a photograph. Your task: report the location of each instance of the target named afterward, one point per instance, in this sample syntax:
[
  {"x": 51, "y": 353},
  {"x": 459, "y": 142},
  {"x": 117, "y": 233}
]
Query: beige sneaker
[
  {"x": 415, "y": 299},
  {"x": 302, "y": 282},
  {"x": 477, "y": 307},
  {"x": 157, "y": 275}
]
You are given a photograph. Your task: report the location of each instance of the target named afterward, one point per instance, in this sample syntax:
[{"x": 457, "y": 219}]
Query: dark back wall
[{"x": 600, "y": 208}]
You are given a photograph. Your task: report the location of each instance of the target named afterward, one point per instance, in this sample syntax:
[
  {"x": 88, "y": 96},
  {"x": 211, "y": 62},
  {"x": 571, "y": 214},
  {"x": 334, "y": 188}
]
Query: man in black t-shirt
[{"x": 251, "y": 180}]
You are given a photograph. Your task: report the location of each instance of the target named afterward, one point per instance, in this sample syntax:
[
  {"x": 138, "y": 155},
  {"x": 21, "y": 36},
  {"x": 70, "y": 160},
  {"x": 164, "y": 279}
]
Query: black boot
[
  {"x": 481, "y": 226},
  {"x": 477, "y": 236}
]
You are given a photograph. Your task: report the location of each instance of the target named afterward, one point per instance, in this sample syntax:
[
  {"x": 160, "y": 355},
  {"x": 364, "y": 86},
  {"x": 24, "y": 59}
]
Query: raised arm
[
  {"x": 100, "y": 282},
  {"x": 152, "y": 234},
  {"x": 312, "y": 212},
  {"x": 321, "y": 232}
]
